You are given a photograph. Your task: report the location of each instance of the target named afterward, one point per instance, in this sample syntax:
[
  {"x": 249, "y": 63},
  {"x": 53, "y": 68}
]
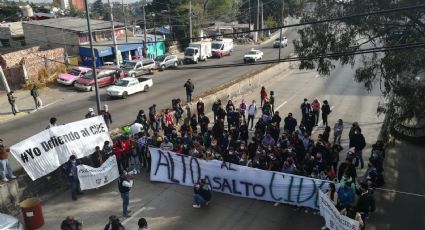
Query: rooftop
[{"x": 74, "y": 24}]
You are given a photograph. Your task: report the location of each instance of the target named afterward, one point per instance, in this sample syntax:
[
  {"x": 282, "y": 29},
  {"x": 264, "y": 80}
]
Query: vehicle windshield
[
  {"x": 88, "y": 75},
  {"x": 129, "y": 65},
  {"x": 122, "y": 83},
  {"x": 216, "y": 46},
  {"x": 74, "y": 72},
  {"x": 252, "y": 52},
  {"x": 160, "y": 58},
  {"x": 189, "y": 52}
]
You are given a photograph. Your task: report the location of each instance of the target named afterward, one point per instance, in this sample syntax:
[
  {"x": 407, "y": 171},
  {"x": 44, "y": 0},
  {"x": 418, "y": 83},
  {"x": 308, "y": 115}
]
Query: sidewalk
[{"x": 25, "y": 102}]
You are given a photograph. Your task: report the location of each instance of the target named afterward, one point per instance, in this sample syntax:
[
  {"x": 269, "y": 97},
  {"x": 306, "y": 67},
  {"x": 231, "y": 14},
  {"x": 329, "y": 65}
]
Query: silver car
[
  {"x": 10, "y": 222},
  {"x": 166, "y": 61}
]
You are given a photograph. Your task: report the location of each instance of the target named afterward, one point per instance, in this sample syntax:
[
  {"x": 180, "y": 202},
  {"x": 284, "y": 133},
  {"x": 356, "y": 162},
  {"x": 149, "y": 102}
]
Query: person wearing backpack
[
  {"x": 36, "y": 96},
  {"x": 189, "y": 90}
]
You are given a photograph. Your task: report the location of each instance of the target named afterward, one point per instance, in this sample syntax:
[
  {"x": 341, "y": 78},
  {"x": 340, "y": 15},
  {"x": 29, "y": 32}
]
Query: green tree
[
  {"x": 400, "y": 75},
  {"x": 98, "y": 9}
]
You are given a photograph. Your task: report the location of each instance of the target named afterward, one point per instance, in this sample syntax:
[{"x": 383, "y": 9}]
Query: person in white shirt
[
  {"x": 143, "y": 224},
  {"x": 252, "y": 111},
  {"x": 136, "y": 128}
]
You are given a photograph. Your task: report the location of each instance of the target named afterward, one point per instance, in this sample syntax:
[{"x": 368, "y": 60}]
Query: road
[
  {"x": 168, "y": 206},
  {"x": 73, "y": 105}
]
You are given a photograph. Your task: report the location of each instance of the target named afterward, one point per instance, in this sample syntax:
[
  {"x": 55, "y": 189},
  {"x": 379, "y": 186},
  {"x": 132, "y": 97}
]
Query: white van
[{"x": 222, "y": 47}]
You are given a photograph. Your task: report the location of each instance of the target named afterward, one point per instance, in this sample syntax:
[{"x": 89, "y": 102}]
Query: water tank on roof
[{"x": 27, "y": 11}]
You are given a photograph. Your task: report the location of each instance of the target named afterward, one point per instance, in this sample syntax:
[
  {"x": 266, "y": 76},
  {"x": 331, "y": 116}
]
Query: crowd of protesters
[{"x": 270, "y": 143}]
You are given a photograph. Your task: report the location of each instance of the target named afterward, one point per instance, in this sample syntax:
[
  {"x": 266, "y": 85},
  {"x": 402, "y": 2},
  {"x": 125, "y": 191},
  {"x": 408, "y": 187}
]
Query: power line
[{"x": 393, "y": 10}]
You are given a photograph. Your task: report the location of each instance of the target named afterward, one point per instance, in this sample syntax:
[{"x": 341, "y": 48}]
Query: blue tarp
[
  {"x": 162, "y": 30},
  {"x": 129, "y": 47}
]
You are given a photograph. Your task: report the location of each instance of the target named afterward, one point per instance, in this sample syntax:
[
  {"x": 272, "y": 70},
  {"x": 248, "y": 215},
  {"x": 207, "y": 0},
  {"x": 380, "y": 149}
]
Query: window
[{"x": 5, "y": 42}]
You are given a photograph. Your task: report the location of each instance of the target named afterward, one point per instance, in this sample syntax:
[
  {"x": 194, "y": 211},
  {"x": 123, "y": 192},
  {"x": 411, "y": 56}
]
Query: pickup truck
[
  {"x": 252, "y": 56},
  {"x": 128, "y": 86},
  {"x": 139, "y": 67}
]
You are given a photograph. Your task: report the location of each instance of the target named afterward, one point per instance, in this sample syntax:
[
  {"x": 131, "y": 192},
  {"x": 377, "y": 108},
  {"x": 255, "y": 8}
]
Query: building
[
  {"x": 66, "y": 4},
  {"x": 12, "y": 35},
  {"x": 68, "y": 32}
]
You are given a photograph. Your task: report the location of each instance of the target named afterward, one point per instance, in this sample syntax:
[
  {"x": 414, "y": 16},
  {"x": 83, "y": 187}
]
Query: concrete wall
[{"x": 48, "y": 38}]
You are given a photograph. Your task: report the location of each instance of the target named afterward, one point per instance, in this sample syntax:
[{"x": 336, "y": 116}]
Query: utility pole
[
  {"x": 190, "y": 20},
  {"x": 258, "y": 15},
  {"x": 262, "y": 19},
  {"x": 93, "y": 57},
  {"x": 154, "y": 33},
  {"x": 281, "y": 29},
  {"x": 113, "y": 36},
  {"x": 169, "y": 21},
  {"x": 145, "y": 45},
  {"x": 249, "y": 12},
  {"x": 4, "y": 80},
  {"x": 125, "y": 21}
]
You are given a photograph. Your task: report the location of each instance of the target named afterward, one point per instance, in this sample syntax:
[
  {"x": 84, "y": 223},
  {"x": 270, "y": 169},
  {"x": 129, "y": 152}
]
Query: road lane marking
[
  {"x": 133, "y": 215},
  {"x": 277, "y": 108}
]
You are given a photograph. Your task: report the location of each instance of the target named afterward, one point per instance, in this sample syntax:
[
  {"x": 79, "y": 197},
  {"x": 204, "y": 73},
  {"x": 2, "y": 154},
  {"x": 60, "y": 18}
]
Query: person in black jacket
[
  {"x": 70, "y": 223},
  {"x": 201, "y": 194},
  {"x": 365, "y": 203},
  {"x": 290, "y": 123},
  {"x": 71, "y": 171},
  {"x": 189, "y": 90},
  {"x": 326, "y": 110},
  {"x": 114, "y": 224},
  {"x": 358, "y": 142},
  {"x": 36, "y": 96}
]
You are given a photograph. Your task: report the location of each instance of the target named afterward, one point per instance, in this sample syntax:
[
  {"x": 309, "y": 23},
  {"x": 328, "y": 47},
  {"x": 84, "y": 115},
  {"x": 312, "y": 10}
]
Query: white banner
[
  {"x": 97, "y": 177},
  {"x": 46, "y": 151},
  {"x": 333, "y": 218},
  {"x": 235, "y": 179}
]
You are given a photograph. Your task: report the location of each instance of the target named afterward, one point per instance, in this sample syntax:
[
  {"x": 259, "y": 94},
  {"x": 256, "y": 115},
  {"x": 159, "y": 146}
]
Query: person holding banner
[
  {"x": 202, "y": 194},
  {"x": 124, "y": 186},
  {"x": 4, "y": 163},
  {"x": 70, "y": 169}
]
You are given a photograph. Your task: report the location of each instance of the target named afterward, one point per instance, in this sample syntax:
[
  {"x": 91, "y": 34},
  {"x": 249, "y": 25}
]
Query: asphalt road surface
[
  {"x": 168, "y": 206},
  {"x": 167, "y": 85}
]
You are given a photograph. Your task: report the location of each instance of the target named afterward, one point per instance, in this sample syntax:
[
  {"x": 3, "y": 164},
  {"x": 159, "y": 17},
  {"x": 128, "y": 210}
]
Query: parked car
[
  {"x": 137, "y": 68},
  {"x": 10, "y": 222},
  {"x": 252, "y": 56},
  {"x": 128, "y": 86},
  {"x": 71, "y": 77},
  {"x": 166, "y": 61},
  {"x": 278, "y": 43},
  {"x": 105, "y": 77}
]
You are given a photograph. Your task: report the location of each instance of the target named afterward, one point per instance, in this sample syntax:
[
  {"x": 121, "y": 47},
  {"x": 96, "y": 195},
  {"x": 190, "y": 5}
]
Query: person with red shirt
[
  {"x": 315, "y": 107},
  {"x": 117, "y": 148},
  {"x": 263, "y": 95}
]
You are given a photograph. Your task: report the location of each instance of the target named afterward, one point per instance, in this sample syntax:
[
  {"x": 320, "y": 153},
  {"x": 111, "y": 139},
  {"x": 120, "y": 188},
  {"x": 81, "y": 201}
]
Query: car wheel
[
  {"x": 162, "y": 67},
  {"x": 146, "y": 88},
  {"x": 91, "y": 88},
  {"x": 176, "y": 64},
  {"x": 133, "y": 75},
  {"x": 124, "y": 95}
]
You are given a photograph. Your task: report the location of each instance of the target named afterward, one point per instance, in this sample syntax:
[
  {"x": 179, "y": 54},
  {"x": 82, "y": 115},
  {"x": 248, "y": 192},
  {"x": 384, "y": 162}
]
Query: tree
[
  {"x": 98, "y": 9},
  {"x": 398, "y": 74}
]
